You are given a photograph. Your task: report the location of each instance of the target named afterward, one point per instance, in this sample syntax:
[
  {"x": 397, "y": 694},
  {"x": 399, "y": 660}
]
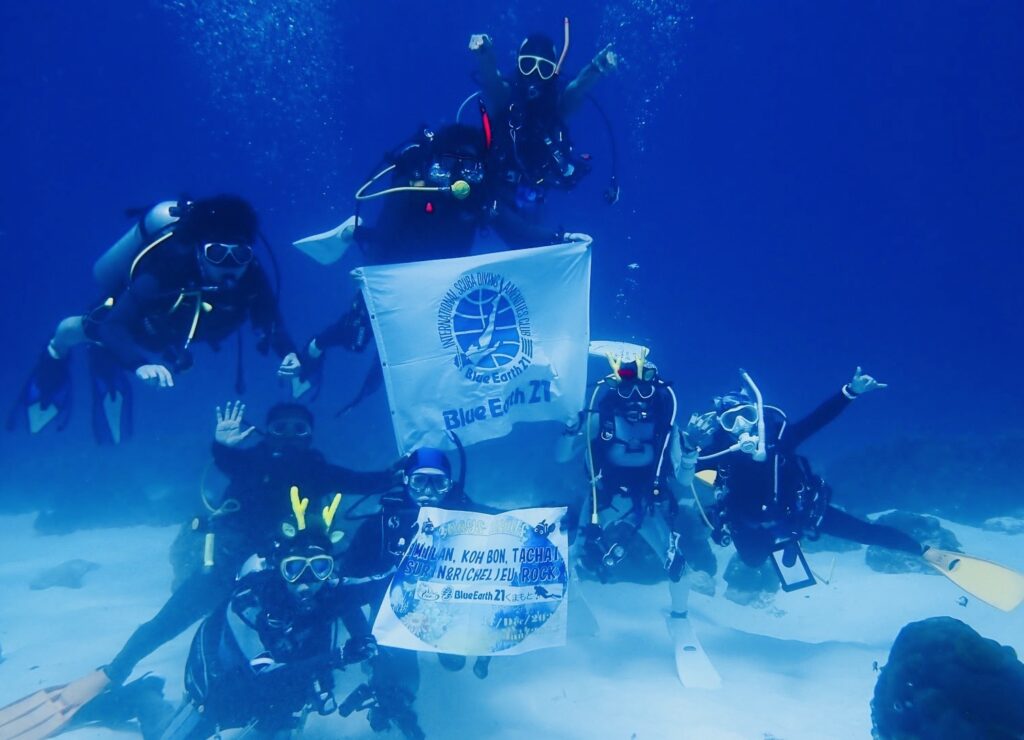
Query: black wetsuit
[
  {"x": 260, "y": 482},
  {"x": 168, "y": 305},
  {"x": 259, "y": 660},
  {"x": 781, "y": 498},
  {"x": 631, "y": 436},
  {"x": 417, "y": 226}
]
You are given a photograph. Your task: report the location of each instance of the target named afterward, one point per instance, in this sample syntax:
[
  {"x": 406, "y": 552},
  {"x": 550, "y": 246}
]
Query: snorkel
[
  {"x": 747, "y": 443},
  {"x": 758, "y": 453},
  {"x": 565, "y": 44}
]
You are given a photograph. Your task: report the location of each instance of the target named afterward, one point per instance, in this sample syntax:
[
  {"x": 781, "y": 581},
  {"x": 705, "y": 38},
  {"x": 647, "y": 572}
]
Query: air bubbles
[
  {"x": 650, "y": 36},
  {"x": 271, "y": 66}
]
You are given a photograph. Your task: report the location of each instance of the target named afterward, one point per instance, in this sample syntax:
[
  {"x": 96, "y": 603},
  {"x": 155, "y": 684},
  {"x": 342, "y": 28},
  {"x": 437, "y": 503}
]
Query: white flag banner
[
  {"x": 480, "y": 584},
  {"x": 476, "y": 344}
]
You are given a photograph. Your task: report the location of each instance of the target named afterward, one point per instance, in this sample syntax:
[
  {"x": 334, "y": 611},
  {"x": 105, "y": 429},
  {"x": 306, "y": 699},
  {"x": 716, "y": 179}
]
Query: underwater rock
[
  {"x": 68, "y": 574},
  {"x": 701, "y": 582},
  {"x": 945, "y": 681},
  {"x": 1004, "y": 524},
  {"x": 925, "y": 529},
  {"x": 750, "y": 586}
]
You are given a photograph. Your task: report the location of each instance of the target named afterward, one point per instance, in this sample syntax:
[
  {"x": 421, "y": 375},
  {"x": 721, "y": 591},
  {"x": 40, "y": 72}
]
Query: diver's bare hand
[
  {"x": 290, "y": 366},
  {"x": 479, "y": 42},
  {"x": 606, "y": 60},
  {"x": 156, "y": 375},
  {"x": 229, "y": 424},
  {"x": 863, "y": 383}
]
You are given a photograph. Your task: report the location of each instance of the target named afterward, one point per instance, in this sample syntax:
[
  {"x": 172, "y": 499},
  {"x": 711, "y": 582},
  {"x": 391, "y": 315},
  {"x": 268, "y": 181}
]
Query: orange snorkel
[{"x": 565, "y": 44}]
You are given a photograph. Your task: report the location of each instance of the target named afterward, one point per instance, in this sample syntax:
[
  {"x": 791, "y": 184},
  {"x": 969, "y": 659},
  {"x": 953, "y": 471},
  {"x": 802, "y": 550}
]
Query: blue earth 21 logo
[{"x": 484, "y": 319}]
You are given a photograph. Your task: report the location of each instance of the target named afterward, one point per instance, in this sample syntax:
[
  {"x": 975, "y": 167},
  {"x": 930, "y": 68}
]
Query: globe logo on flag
[
  {"x": 485, "y": 327},
  {"x": 484, "y": 318}
]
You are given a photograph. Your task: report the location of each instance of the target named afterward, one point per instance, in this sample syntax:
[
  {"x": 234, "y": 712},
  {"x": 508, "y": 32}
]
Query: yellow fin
[
  {"x": 994, "y": 584},
  {"x": 707, "y": 477}
]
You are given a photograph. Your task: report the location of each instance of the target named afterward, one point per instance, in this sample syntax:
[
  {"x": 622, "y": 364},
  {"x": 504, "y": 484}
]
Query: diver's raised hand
[
  {"x": 156, "y": 375},
  {"x": 606, "y": 60},
  {"x": 229, "y": 424},
  {"x": 290, "y": 366},
  {"x": 699, "y": 432},
  {"x": 863, "y": 383},
  {"x": 479, "y": 42}
]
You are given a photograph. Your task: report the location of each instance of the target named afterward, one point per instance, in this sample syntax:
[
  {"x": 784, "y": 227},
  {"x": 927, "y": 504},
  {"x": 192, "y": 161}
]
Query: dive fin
[
  {"x": 44, "y": 713},
  {"x": 111, "y": 398},
  {"x": 994, "y": 584},
  {"x": 330, "y": 246},
  {"x": 39, "y": 416},
  {"x": 46, "y": 396},
  {"x": 692, "y": 664}
]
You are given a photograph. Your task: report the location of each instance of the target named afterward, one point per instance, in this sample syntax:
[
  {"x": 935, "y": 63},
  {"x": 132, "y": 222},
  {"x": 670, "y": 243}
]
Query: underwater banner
[
  {"x": 480, "y": 584},
  {"x": 473, "y": 345}
]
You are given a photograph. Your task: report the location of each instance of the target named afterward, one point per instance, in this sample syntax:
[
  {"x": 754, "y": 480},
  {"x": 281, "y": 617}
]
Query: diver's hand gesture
[
  {"x": 155, "y": 375},
  {"x": 290, "y": 366},
  {"x": 606, "y": 60},
  {"x": 229, "y": 424},
  {"x": 479, "y": 42},
  {"x": 863, "y": 383},
  {"x": 699, "y": 432}
]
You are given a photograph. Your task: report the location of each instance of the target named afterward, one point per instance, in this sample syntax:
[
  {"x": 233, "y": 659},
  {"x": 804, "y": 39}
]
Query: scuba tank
[{"x": 112, "y": 270}]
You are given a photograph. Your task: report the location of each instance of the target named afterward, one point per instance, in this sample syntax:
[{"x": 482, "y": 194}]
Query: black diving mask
[
  {"x": 419, "y": 483},
  {"x": 289, "y": 428}
]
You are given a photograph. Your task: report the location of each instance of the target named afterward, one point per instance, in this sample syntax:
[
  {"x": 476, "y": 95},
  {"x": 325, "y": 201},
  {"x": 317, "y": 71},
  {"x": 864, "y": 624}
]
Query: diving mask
[
  {"x": 739, "y": 418},
  {"x": 530, "y": 63},
  {"x": 228, "y": 255},
  {"x": 293, "y": 428},
  {"x": 628, "y": 387},
  {"x": 422, "y": 482},
  {"x": 320, "y": 566}
]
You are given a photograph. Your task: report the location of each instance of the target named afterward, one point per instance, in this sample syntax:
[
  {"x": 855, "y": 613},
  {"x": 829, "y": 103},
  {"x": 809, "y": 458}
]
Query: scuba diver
[
  {"x": 440, "y": 194},
  {"x": 533, "y": 150},
  {"x": 186, "y": 272},
  {"x": 373, "y": 557},
  {"x": 767, "y": 497},
  {"x": 626, "y": 460},
  {"x": 266, "y": 657},
  {"x": 631, "y": 488},
  {"x": 245, "y": 520}
]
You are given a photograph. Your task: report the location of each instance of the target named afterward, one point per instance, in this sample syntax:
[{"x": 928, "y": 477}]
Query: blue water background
[{"x": 806, "y": 186}]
